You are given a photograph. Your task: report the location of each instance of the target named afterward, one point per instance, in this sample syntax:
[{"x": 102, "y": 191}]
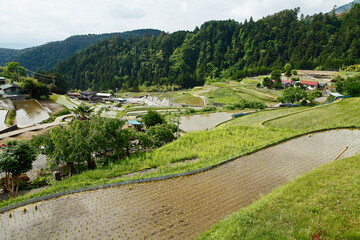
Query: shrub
[
  {"x": 243, "y": 103},
  {"x": 152, "y": 118},
  {"x": 160, "y": 134}
]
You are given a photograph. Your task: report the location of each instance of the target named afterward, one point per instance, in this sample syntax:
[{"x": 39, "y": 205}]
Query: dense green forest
[
  {"x": 219, "y": 49},
  {"x": 46, "y": 56}
]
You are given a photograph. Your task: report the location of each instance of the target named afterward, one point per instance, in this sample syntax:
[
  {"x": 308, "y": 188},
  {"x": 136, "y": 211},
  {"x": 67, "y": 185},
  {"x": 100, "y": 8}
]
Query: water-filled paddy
[
  {"x": 203, "y": 121},
  {"x": 178, "y": 208},
  {"x": 29, "y": 112}
]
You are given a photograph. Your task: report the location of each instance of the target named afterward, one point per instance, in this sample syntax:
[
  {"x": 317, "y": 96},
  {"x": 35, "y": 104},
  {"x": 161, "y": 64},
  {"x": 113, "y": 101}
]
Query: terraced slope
[{"x": 176, "y": 208}]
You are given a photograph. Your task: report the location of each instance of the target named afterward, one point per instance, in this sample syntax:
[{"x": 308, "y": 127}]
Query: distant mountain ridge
[
  {"x": 346, "y": 7},
  {"x": 46, "y": 56},
  {"x": 218, "y": 50}
]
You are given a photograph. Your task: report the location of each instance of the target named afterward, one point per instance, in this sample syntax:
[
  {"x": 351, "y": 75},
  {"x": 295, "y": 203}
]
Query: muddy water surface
[
  {"x": 203, "y": 121},
  {"x": 2, "y": 119},
  {"x": 178, "y": 208},
  {"x": 29, "y": 112}
]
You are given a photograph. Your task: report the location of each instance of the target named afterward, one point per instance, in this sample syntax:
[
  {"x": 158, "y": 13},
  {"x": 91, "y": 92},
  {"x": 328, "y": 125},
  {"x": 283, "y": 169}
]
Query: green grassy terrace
[
  {"x": 342, "y": 114},
  {"x": 323, "y": 202}
]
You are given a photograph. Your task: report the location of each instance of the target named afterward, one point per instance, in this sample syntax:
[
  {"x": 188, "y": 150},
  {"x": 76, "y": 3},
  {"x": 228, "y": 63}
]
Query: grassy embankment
[
  {"x": 231, "y": 92},
  {"x": 343, "y": 114},
  {"x": 10, "y": 118},
  {"x": 321, "y": 203}
]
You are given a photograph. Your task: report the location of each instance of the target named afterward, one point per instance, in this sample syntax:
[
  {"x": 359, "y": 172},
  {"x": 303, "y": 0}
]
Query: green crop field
[
  {"x": 225, "y": 96},
  {"x": 189, "y": 99}
]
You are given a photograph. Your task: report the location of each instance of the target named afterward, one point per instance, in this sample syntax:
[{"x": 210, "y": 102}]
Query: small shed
[
  {"x": 338, "y": 95},
  {"x": 104, "y": 95},
  {"x": 2, "y": 80},
  {"x": 135, "y": 124},
  {"x": 10, "y": 89}
]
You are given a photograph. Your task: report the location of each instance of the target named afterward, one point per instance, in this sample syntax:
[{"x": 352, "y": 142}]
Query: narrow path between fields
[
  {"x": 58, "y": 121},
  {"x": 177, "y": 208}
]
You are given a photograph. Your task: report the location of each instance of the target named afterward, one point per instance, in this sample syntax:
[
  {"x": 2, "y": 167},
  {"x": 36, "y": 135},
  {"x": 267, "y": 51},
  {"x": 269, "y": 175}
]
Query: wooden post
[{"x": 340, "y": 154}]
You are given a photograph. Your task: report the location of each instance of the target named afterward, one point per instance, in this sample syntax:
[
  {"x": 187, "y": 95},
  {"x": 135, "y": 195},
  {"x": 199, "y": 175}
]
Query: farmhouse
[
  {"x": 287, "y": 83},
  {"x": 310, "y": 85},
  {"x": 11, "y": 91},
  {"x": 105, "y": 96},
  {"x": 90, "y": 96}
]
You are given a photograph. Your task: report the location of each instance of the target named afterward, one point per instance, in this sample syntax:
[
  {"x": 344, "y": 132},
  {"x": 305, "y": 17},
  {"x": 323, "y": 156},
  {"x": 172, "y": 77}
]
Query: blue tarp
[{"x": 133, "y": 122}]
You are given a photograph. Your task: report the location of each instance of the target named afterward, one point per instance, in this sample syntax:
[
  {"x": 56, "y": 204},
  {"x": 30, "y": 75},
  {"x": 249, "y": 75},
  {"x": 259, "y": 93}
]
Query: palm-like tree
[{"x": 83, "y": 111}]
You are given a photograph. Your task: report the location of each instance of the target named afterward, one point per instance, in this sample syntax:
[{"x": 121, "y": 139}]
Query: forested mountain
[
  {"x": 46, "y": 56},
  {"x": 345, "y": 7},
  {"x": 225, "y": 49}
]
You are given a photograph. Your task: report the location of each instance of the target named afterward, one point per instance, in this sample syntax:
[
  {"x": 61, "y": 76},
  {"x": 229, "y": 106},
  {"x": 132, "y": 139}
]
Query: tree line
[{"x": 217, "y": 50}]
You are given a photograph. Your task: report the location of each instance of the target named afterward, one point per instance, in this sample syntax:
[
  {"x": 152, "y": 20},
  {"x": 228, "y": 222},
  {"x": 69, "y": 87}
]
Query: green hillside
[
  {"x": 219, "y": 50},
  {"x": 46, "y": 56}
]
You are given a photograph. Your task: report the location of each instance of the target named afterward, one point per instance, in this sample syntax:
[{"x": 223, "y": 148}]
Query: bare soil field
[
  {"x": 177, "y": 208},
  {"x": 53, "y": 107},
  {"x": 321, "y": 76}
]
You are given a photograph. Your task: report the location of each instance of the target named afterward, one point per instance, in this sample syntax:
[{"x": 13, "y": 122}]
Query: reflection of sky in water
[
  {"x": 2, "y": 119},
  {"x": 29, "y": 112},
  {"x": 203, "y": 121}
]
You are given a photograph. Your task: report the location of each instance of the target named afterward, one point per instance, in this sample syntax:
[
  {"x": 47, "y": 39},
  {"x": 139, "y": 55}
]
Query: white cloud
[{"x": 40, "y": 21}]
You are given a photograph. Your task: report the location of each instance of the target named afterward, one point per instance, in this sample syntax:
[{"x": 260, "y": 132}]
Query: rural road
[
  {"x": 177, "y": 208},
  {"x": 58, "y": 121}
]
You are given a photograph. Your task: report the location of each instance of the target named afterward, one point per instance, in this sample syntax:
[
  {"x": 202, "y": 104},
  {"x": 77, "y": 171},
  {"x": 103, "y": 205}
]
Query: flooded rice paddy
[
  {"x": 177, "y": 208},
  {"x": 2, "y": 119},
  {"x": 203, "y": 121},
  {"x": 29, "y": 112}
]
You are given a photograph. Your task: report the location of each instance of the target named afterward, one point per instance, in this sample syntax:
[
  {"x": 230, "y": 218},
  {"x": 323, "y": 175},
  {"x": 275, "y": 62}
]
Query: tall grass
[
  {"x": 10, "y": 118},
  {"x": 323, "y": 204},
  {"x": 256, "y": 119},
  {"x": 344, "y": 113}
]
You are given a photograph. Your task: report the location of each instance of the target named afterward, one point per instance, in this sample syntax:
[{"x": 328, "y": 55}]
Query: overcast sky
[{"x": 25, "y": 23}]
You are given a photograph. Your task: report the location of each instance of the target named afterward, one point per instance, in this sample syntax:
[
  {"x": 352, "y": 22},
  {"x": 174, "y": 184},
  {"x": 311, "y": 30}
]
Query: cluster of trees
[
  {"x": 12, "y": 71},
  {"x": 298, "y": 94},
  {"x": 38, "y": 86},
  {"x": 16, "y": 158},
  {"x": 46, "y": 56},
  {"x": 243, "y": 103},
  {"x": 92, "y": 139},
  {"x": 219, "y": 49},
  {"x": 350, "y": 86}
]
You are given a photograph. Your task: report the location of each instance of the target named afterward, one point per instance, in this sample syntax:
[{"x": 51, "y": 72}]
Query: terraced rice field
[{"x": 177, "y": 208}]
